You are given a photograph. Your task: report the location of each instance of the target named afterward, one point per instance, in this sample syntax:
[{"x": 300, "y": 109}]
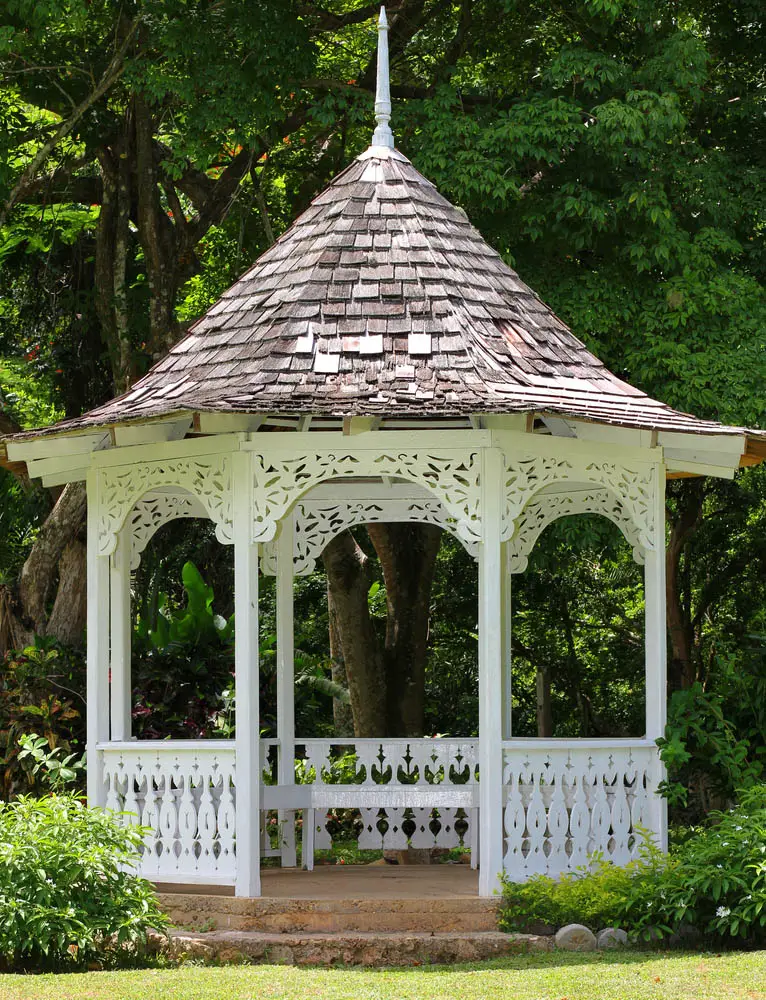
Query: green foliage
[
  {"x": 715, "y": 881},
  {"x": 701, "y": 744},
  {"x": 41, "y": 692},
  {"x": 64, "y": 898},
  {"x": 593, "y": 896},
  {"x": 58, "y": 769}
]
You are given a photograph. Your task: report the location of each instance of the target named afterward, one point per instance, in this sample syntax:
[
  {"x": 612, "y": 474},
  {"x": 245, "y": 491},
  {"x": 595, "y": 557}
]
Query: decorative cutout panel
[
  {"x": 359, "y": 766},
  {"x": 544, "y": 508},
  {"x": 565, "y": 803},
  {"x": 318, "y": 522},
  {"x": 452, "y": 477},
  {"x": 633, "y": 486},
  {"x": 187, "y": 799},
  {"x": 152, "y": 511},
  {"x": 206, "y": 477}
]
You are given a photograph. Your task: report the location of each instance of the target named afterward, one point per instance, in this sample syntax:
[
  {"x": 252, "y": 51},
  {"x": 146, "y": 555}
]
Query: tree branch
[{"x": 112, "y": 73}]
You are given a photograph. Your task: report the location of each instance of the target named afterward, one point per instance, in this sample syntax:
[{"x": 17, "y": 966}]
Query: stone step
[
  {"x": 364, "y": 948},
  {"x": 207, "y": 912}
]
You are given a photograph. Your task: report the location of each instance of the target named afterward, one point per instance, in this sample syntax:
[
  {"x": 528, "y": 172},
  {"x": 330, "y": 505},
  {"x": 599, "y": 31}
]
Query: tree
[{"x": 611, "y": 150}]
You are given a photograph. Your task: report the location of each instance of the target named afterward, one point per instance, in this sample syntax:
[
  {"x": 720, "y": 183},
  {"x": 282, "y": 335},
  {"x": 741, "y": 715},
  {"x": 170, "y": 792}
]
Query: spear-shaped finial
[{"x": 383, "y": 136}]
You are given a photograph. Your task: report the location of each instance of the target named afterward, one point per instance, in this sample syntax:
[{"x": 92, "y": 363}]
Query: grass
[{"x": 631, "y": 976}]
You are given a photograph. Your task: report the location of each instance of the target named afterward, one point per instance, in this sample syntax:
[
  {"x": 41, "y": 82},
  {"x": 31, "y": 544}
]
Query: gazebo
[{"x": 379, "y": 362}]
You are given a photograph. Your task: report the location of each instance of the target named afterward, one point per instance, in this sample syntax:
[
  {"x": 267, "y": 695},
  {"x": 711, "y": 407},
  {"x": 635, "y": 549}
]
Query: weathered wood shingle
[{"x": 383, "y": 299}]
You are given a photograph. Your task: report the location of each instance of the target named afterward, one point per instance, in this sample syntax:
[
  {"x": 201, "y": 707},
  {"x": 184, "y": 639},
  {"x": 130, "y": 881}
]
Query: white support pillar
[
  {"x": 507, "y": 728},
  {"x": 285, "y": 683},
  {"x": 97, "y": 679},
  {"x": 656, "y": 644},
  {"x": 490, "y": 674},
  {"x": 120, "y": 652},
  {"x": 246, "y": 680}
]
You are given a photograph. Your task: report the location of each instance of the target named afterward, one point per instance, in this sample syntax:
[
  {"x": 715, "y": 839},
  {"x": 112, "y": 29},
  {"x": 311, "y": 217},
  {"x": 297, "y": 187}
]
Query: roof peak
[{"x": 383, "y": 136}]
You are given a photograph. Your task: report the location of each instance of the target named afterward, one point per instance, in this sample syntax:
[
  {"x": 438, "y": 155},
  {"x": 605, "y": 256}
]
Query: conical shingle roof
[{"x": 383, "y": 299}]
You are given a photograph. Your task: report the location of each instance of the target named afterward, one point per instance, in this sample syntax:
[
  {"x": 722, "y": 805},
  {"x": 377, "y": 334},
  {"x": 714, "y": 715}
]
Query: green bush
[
  {"x": 64, "y": 898},
  {"x": 592, "y": 896},
  {"x": 715, "y": 881}
]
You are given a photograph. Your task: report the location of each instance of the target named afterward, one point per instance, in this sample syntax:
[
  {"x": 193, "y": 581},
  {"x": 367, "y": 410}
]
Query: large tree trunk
[
  {"x": 386, "y": 680},
  {"x": 407, "y": 554},
  {"x": 347, "y": 569},
  {"x": 342, "y": 716},
  {"x": 681, "y": 669}
]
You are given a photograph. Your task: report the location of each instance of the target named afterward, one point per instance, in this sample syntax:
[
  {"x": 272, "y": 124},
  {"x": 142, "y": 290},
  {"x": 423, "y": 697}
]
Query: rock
[
  {"x": 685, "y": 937},
  {"x": 611, "y": 937},
  {"x": 576, "y": 937}
]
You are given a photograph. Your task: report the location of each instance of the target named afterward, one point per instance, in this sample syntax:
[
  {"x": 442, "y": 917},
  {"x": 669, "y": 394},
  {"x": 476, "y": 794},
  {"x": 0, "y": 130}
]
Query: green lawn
[{"x": 534, "y": 977}]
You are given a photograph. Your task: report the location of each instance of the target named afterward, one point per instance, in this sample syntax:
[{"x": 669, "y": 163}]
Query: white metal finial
[{"x": 383, "y": 136}]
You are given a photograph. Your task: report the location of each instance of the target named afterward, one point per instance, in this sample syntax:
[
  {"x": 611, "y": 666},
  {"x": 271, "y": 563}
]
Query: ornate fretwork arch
[
  {"x": 317, "y": 522},
  {"x": 451, "y": 476},
  {"x": 547, "y": 507},
  {"x": 207, "y": 478},
  {"x": 632, "y": 485},
  {"x": 151, "y": 512}
]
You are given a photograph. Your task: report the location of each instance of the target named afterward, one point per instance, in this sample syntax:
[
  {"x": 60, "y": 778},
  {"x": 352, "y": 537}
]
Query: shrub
[
  {"x": 64, "y": 898},
  {"x": 592, "y": 896},
  {"x": 715, "y": 881}
]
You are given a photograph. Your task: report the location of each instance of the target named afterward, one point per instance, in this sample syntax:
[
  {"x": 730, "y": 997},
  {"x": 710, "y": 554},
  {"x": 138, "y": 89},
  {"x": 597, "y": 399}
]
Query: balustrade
[
  {"x": 563, "y": 800},
  {"x": 566, "y": 801}
]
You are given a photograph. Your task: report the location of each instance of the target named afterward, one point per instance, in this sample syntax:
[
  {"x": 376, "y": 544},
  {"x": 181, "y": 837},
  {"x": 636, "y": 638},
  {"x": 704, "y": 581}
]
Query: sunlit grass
[{"x": 556, "y": 976}]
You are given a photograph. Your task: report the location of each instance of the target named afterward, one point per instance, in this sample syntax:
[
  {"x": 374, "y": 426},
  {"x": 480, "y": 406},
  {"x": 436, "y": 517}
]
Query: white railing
[
  {"x": 408, "y": 792},
  {"x": 566, "y": 800},
  {"x": 563, "y": 800},
  {"x": 185, "y": 793}
]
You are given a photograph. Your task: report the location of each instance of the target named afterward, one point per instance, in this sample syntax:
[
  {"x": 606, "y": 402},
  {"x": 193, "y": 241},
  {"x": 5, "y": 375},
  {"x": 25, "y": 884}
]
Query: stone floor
[{"x": 331, "y": 882}]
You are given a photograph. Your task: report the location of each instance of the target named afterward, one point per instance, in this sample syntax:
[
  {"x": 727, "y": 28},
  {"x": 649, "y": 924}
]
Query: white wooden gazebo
[{"x": 379, "y": 363}]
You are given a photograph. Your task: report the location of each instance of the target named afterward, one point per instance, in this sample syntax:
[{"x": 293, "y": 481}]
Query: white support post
[
  {"x": 285, "y": 683},
  {"x": 507, "y": 651},
  {"x": 656, "y": 644},
  {"x": 490, "y": 674},
  {"x": 120, "y": 651},
  {"x": 246, "y": 680},
  {"x": 97, "y": 679}
]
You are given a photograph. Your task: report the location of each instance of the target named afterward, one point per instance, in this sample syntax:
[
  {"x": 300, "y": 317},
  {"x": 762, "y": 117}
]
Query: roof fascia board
[
  {"x": 126, "y": 435},
  {"x": 62, "y": 478},
  {"x": 227, "y": 423},
  {"x": 50, "y": 446},
  {"x": 186, "y": 448},
  {"x": 296, "y": 441},
  {"x": 523, "y": 445},
  {"x": 700, "y": 469},
  {"x": 633, "y": 437},
  {"x": 730, "y": 444},
  {"x": 699, "y": 456}
]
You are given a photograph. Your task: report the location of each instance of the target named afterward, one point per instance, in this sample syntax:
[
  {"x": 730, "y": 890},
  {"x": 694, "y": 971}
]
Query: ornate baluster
[
  {"x": 206, "y": 821},
  {"x": 537, "y": 822},
  {"x": 558, "y": 822},
  {"x": 515, "y": 826},
  {"x": 226, "y": 819},
  {"x": 601, "y": 813},
  {"x": 187, "y": 818},
  {"x": 167, "y": 828},
  {"x": 579, "y": 818}
]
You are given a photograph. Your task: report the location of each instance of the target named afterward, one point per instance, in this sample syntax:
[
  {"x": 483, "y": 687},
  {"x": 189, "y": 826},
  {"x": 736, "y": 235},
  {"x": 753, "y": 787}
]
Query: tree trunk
[
  {"x": 386, "y": 680},
  {"x": 39, "y": 571},
  {"x": 544, "y": 708},
  {"x": 407, "y": 554},
  {"x": 342, "y": 715},
  {"x": 67, "y": 620},
  {"x": 681, "y": 669},
  {"x": 348, "y": 576}
]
